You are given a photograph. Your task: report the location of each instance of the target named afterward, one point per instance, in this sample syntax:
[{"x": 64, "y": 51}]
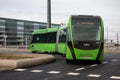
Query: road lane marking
[
  {"x": 94, "y": 75},
  {"x": 20, "y": 69},
  {"x": 105, "y": 62},
  {"x": 93, "y": 65},
  {"x": 54, "y": 72},
  {"x": 115, "y": 77},
  {"x": 73, "y": 74},
  {"x": 114, "y": 60},
  {"x": 78, "y": 69},
  {"x": 36, "y": 71}
]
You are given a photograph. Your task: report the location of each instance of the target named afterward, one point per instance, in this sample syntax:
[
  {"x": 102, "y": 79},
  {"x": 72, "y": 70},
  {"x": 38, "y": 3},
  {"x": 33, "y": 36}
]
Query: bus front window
[
  {"x": 86, "y": 33},
  {"x": 86, "y": 29}
]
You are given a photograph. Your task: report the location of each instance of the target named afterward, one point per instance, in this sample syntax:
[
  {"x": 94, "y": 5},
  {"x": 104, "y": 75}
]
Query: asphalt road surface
[{"x": 109, "y": 69}]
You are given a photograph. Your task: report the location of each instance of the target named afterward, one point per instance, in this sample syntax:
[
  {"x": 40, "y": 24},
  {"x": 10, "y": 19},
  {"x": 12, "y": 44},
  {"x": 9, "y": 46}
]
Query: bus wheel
[
  {"x": 34, "y": 51},
  {"x": 98, "y": 62},
  {"x": 68, "y": 61}
]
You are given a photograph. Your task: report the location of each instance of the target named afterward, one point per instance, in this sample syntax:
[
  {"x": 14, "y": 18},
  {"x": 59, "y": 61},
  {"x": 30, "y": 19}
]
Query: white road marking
[
  {"x": 20, "y": 69},
  {"x": 36, "y": 71},
  {"x": 54, "y": 72},
  {"x": 105, "y": 62},
  {"x": 94, "y": 75},
  {"x": 115, "y": 77},
  {"x": 73, "y": 73},
  {"x": 78, "y": 69},
  {"x": 114, "y": 60},
  {"x": 93, "y": 65}
]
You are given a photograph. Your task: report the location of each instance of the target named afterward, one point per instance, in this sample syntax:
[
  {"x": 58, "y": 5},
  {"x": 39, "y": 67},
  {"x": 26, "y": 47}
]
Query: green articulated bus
[
  {"x": 82, "y": 39},
  {"x": 85, "y": 38},
  {"x": 49, "y": 40}
]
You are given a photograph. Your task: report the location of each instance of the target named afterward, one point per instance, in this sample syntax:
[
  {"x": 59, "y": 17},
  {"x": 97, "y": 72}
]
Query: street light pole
[
  {"x": 5, "y": 36},
  {"x": 48, "y": 13},
  {"x": 107, "y": 38},
  {"x": 26, "y": 41}
]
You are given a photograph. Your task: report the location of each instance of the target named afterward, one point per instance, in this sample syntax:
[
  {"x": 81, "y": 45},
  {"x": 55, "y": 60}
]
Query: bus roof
[
  {"x": 43, "y": 31},
  {"x": 85, "y": 16},
  {"x": 49, "y": 30}
]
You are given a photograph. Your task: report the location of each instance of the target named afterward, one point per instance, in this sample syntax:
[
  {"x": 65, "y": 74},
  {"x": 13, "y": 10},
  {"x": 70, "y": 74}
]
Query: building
[
  {"x": 109, "y": 43},
  {"x": 18, "y": 32}
]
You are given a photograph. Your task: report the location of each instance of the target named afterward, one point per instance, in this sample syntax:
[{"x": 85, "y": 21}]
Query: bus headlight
[
  {"x": 32, "y": 45},
  {"x": 86, "y": 57}
]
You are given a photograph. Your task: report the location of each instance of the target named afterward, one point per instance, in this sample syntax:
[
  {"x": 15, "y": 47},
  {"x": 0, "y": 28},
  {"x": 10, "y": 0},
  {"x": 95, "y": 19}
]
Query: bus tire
[
  {"x": 98, "y": 62},
  {"x": 34, "y": 51},
  {"x": 69, "y": 61}
]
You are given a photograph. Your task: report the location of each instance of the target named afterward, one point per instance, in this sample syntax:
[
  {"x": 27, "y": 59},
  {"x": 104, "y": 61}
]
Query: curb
[
  {"x": 34, "y": 61},
  {"x": 27, "y": 62}
]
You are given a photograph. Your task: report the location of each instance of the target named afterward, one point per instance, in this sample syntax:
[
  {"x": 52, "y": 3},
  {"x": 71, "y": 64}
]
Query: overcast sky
[{"x": 36, "y": 10}]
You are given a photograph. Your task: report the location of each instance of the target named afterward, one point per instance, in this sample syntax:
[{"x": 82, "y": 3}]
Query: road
[{"x": 109, "y": 69}]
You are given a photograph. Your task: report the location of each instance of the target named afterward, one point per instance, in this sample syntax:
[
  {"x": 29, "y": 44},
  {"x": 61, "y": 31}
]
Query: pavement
[
  {"x": 35, "y": 59},
  {"x": 109, "y": 69},
  {"x": 14, "y": 50},
  {"x": 19, "y": 50},
  {"x": 112, "y": 49}
]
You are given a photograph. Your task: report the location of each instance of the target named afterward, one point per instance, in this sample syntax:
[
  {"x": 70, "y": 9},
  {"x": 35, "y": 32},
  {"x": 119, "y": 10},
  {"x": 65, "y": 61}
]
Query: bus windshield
[
  {"x": 44, "y": 38},
  {"x": 86, "y": 29}
]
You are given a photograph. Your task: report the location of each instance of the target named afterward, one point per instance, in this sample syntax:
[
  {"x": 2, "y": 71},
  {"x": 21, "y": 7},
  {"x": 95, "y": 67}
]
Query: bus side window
[
  {"x": 51, "y": 37},
  {"x": 68, "y": 37},
  {"x": 98, "y": 33},
  {"x": 37, "y": 39},
  {"x": 62, "y": 36}
]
